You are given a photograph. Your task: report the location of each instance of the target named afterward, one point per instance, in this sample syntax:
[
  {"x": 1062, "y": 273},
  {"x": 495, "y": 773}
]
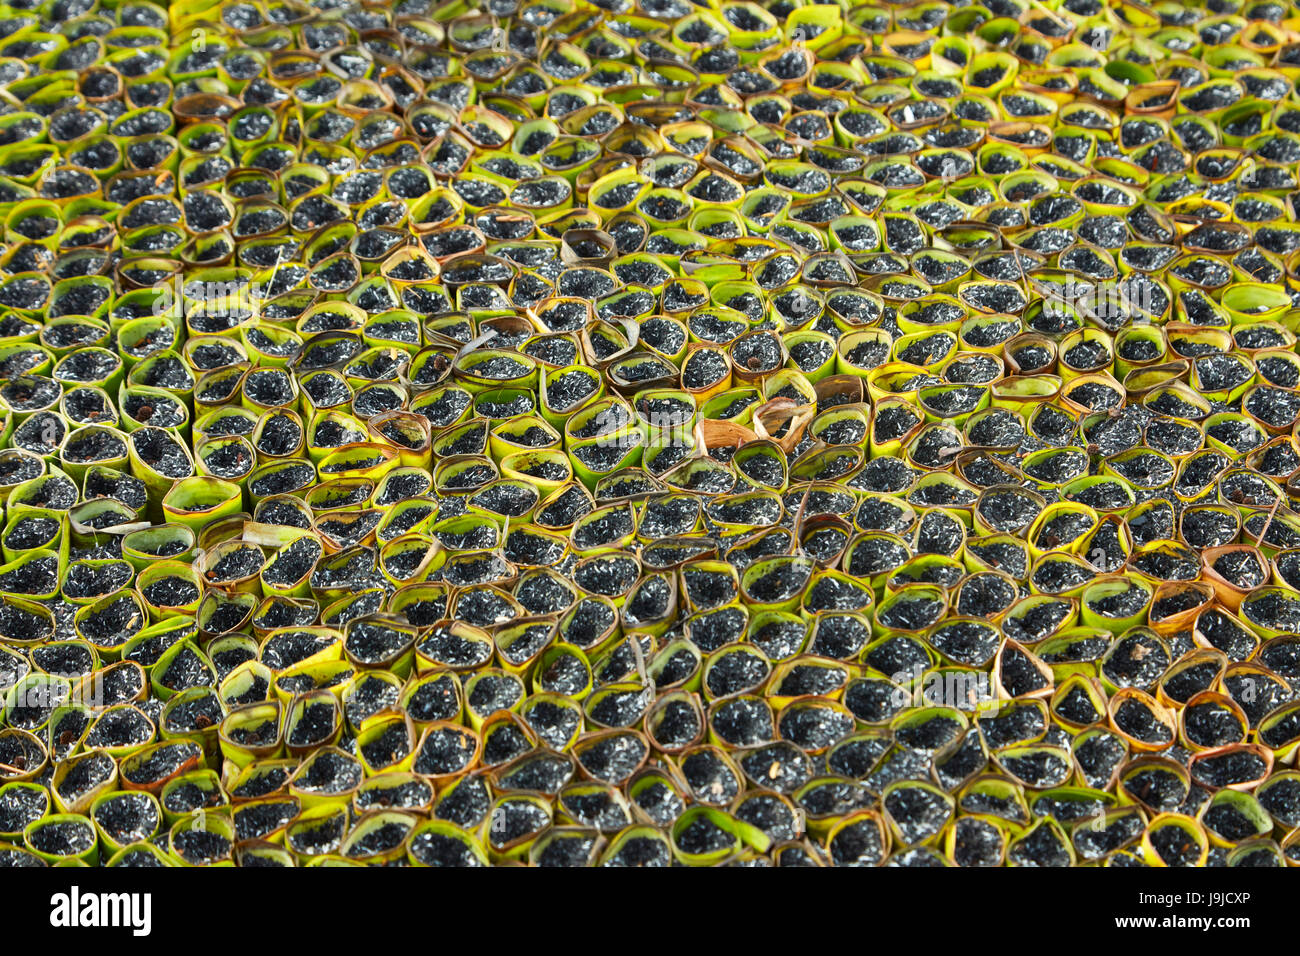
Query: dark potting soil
[
  {"x": 160, "y": 764},
  {"x": 30, "y": 533},
  {"x": 119, "y": 727},
  {"x": 201, "y": 846},
  {"x": 20, "y": 624},
  {"x": 161, "y": 452},
  {"x": 84, "y": 776},
  {"x": 62, "y": 839},
  {"x": 493, "y": 692},
  {"x": 331, "y": 772},
  {"x": 315, "y": 725},
  {"x": 1175, "y": 846},
  {"x": 128, "y": 817},
  {"x": 187, "y": 669},
  {"x": 1229, "y": 768},
  {"x": 113, "y": 624},
  {"x": 20, "y": 806},
  {"x": 294, "y": 562},
  {"x": 1140, "y": 722},
  {"x": 1241, "y": 569},
  {"x": 236, "y": 564},
  {"x": 199, "y": 714},
  {"x": 171, "y": 591},
  {"x": 256, "y": 821}
]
